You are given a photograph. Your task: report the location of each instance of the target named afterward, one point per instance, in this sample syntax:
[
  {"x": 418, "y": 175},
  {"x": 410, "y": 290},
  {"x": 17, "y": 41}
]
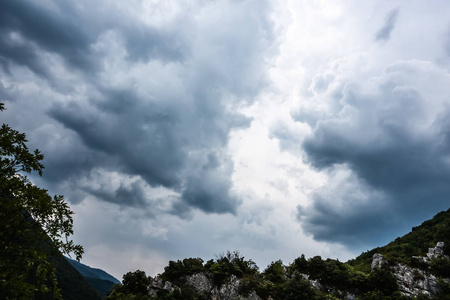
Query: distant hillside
[
  {"x": 87, "y": 271},
  {"x": 99, "y": 279},
  {"x": 73, "y": 285},
  {"x": 415, "y": 243}
]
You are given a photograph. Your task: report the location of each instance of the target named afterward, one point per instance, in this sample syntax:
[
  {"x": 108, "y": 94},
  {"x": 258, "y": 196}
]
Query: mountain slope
[
  {"x": 73, "y": 285},
  {"x": 99, "y": 279},
  {"x": 415, "y": 243},
  {"x": 87, "y": 271}
]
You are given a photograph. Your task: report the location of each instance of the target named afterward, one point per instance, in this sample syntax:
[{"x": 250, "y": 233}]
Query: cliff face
[
  {"x": 203, "y": 284},
  {"x": 413, "y": 282}
]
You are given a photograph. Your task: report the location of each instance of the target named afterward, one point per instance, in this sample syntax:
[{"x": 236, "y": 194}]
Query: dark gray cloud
[
  {"x": 387, "y": 155},
  {"x": 153, "y": 102},
  {"x": 35, "y": 27},
  {"x": 69, "y": 30},
  {"x": 384, "y": 33}
]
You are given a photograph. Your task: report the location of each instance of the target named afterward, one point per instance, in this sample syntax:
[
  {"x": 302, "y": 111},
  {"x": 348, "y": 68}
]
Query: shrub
[
  {"x": 275, "y": 272},
  {"x": 232, "y": 263}
]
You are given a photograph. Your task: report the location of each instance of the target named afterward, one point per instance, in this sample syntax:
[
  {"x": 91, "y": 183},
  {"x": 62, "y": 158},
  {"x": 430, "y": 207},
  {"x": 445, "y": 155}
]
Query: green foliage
[
  {"x": 136, "y": 282},
  {"x": 134, "y": 286},
  {"x": 378, "y": 295},
  {"x": 441, "y": 267},
  {"x": 358, "y": 282},
  {"x": 316, "y": 267},
  {"x": 373, "y": 295},
  {"x": 415, "y": 243},
  {"x": 275, "y": 272},
  {"x": 33, "y": 225},
  {"x": 383, "y": 280},
  {"x": 444, "y": 290},
  {"x": 73, "y": 285},
  {"x": 232, "y": 263},
  {"x": 300, "y": 264},
  {"x": 343, "y": 278},
  {"x": 335, "y": 274},
  {"x": 177, "y": 271},
  {"x": 221, "y": 270},
  {"x": 335, "y": 280},
  {"x": 251, "y": 283},
  {"x": 296, "y": 288}
]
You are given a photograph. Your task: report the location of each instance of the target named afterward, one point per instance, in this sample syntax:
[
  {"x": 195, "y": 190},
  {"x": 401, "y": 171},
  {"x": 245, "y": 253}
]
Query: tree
[
  {"x": 136, "y": 282},
  {"x": 297, "y": 287},
  {"x": 231, "y": 263},
  {"x": 275, "y": 272},
  {"x": 134, "y": 286},
  {"x": 33, "y": 225}
]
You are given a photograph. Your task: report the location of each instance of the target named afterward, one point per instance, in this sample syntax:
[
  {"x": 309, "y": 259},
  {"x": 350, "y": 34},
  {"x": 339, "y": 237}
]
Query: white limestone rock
[
  {"x": 378, "y": 261},
  {"x": 157, "y": 284},
  {"x": 230, "y": 291},
  {"x": 200, "y": 282},
  {"x": 437, "y": 252},
  {"x": 413, "y": 281}
]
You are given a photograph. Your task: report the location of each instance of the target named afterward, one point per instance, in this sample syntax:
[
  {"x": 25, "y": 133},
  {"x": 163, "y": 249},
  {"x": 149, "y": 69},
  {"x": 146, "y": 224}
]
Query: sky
[{"x": 180, "y": 129}]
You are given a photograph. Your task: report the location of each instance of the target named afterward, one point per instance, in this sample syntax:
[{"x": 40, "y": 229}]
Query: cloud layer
[
  {"x": 148, "y": 99},
  {"x": 386, "y": 149},
  {"x": 271, "y": 127},
  {"x": 372, "y": 104}
]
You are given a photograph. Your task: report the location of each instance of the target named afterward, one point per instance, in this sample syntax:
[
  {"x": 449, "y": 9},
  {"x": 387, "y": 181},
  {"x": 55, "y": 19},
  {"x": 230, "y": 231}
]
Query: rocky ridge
[
  {"x": 413, "y": 282},
  {"x": 402, "y": 269},
  {"x": 203, "y": 284}
]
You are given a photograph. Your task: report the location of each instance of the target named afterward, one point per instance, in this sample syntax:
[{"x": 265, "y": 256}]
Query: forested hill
[
  {"x": 404, "y": 269},
  {"x": 415, "y": 243},
  {"x": 99, "y": 279}
]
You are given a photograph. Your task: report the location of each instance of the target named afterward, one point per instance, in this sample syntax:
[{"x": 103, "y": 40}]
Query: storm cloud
[
  {"x": 386, "y": 151},
  {"x": 275, "y": 128},
  {"x": 154, "y": 101}
]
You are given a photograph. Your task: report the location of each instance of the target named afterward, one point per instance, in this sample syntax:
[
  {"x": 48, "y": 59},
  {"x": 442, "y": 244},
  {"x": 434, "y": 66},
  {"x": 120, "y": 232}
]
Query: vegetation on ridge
[
  {"x": 416, "y": 243},
  {"x": 277, "y": 281},
  {"x": 333, "y": 279}
]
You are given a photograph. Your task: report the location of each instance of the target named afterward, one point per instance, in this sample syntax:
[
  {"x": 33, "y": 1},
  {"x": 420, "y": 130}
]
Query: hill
[
  {"x": 415, "y": 243},
  {"x": 414, "y": 266},
  {"x": 72, "y": 284},
  {"x": 99, "y": 279}
]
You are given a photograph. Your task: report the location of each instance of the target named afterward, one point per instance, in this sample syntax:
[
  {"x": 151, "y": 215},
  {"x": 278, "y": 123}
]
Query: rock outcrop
[
  {"x": 157, "y": 284},
  {"x": 231, "y": 291},
  {"x": 433, "y": 253},
  {"x": 200, "y": 283},
  {"x": 413, "y": 282},
  {"x": 378, "y": 261},
  {"x": 203, "y": 284},
  {"x": 437, "y": 252}
]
